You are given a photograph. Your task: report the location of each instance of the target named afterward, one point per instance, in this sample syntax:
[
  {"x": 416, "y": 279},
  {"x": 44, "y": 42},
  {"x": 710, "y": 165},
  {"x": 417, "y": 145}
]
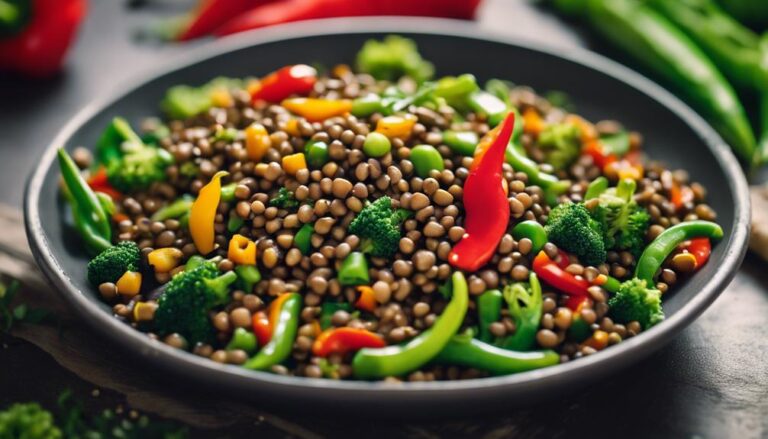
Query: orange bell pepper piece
[
  {"x": 242, "y": 250},
  {"x": 203, "y": 214},
  {"x": 399, "y": 127},
  {"x": 367, "y": 300},
  {"x": 532, "y": 122},
  {"x": 317, "y": 110}
]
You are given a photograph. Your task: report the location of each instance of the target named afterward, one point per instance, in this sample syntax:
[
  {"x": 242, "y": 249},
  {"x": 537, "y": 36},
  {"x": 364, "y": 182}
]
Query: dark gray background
[{"x": 710, "y": 382}]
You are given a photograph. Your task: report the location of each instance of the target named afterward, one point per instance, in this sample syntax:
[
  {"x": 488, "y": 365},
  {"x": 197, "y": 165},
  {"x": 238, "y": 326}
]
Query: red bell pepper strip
[
  {"x": 298, "y": 79},
  {"x": 210, "y": 14},
  {"x": 344, "y": 340},
  {"x": 100, "y": 183},
  {"x": 261, "y": 328},
  {"x": 485, "y": 204},
  {"x": 295, "y": 10},
  {"x": 700, "y": 248},
  {"x": 551, "y": 273},
  {"x": 680, "y": 195},
  {"x": 39, "y": 48}
]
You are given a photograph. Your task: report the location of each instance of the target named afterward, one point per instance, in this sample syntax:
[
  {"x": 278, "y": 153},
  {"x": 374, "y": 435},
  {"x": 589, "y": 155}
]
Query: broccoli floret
[
  {"x": 623, "y": 221},
  {"x": 110, "y": 264},
  {"x": 27, "y": 421},
  {"x": 560, "y": 144},
  {"x": 138, "y": 167},
  {"x": 183, "y": 307},
  {"x": 378, "y": 227},
  {"x": 571, "y": 228},
  {"x": 284, "y": 199},
  {"x": 635, "y": 301},
  {"x": 183, "y": 101},
  {"x": 393, "y": 57}
]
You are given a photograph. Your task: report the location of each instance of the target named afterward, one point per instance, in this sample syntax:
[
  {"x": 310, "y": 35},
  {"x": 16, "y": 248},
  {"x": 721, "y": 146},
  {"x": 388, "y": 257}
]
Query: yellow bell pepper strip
[
  {"x": 294, "y": 163},
  {"x": 242, "y": 251},
  {"x": 257, "y": 141},
  {"x": 165, "y": 259},
  {"x": 203, "y": 213},
  {"x": 129, "y": 284},
  {"x": 317, "y": 110},
  {"x": 396, "y": 126}
]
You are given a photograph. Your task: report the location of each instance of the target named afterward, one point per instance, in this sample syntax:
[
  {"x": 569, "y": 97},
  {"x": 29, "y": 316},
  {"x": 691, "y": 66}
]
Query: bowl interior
[{"x": 595, "y": 92}]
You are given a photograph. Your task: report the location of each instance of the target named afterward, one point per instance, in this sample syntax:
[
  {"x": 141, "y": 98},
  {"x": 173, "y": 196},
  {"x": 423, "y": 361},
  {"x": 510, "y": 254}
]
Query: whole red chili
[
  {"x": 485, "y": 204},
  {"x": 210, "y": 14},
  {"x": 38, "y": 48},
  {"x": 298, "y": 79},
  {"x": 550, "y": 272}
]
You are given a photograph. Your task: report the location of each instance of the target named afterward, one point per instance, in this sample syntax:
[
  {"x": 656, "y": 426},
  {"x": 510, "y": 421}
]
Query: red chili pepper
[
  {"x": 296, "y": 10},
  {"x": 551, "y": 273},
  {"x": 344, "y": 340},
  {"x": 486, "y": 206},
  {"x": 700, "y": 248},
  {"x": 680, "y": 195},
  {"x": 100, "y": 183},
  {"x": 210, "y": 14},
  {"x": 261, "y": 328},
  {"x": 39, "y": 48},
  {"x": 595, "y": 150},
  {"x": 288, "y": 81}
]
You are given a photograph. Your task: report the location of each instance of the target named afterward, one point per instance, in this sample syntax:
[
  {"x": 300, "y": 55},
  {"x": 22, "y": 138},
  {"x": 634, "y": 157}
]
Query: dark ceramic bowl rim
[{"x": 206, "y": 370}]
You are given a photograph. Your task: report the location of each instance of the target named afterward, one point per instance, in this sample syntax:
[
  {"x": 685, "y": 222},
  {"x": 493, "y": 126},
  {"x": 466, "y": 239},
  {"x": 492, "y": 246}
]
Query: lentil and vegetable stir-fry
[{"x": 381, "y": 224}]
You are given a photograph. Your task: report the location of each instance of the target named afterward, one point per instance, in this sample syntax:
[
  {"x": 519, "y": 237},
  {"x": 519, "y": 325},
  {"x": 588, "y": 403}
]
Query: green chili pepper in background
[
  {"x": 91, "y": 221},
  {"x": 242, "y": 339},
  {"x": 367, "y": 105},
  {"x": 527, "y": 317},
  {"x": 658, "y": 250},
  {"x": 109, "y": 145},
  {"x": 228, "y": 192},
  {"x": 283, "y": 335},
  {"x": 488, "y": 311},
  {"x": 646, "y": 35},
  {"x": 532, "y": 230},
  {"x": 328, "y": 309},
  {"x": 595, "y": 188},
  {"x": 247, "y": 277},
  {"x": 400, "y": 359},
  {"x": 461, "y": 142},
  {"x": 107, "y": 203},
  {"x": 354, "y": 270},
  {"x": 548, "y": 182},
  {"x": 234, "y": 223},
  {"x": 469, "y": 352},
  {"x": 175, "y": 210},
  {"x": 303, "y": 238},
  {"x": 488, "y": 105}
]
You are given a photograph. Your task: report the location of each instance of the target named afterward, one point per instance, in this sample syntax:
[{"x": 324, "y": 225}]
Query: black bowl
[{"x": 599, "y": 89}]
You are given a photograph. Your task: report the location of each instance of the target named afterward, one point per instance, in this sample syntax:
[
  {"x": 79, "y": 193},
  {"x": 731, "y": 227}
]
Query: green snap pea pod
[
  {"x": 469, "y": 352},
  {"x": 174, "y": 210},
  {"x": 303, "y": 238},
  {"x": 660, "y": 248},
  {"x": 532, "y": 230},
  {"x": 595, "y": 188},
  {"x": 91, "y": 220},
  {"x": 400, "y": 359},
  {"x": 548, "y": 182},
  {"x": 426, "y": 158},
  {"x": 280, "y": 345},
  {"x": 354, "y": 270},
  {"x": 461, "y": 142},
  {"x": 488, "y": 311}
]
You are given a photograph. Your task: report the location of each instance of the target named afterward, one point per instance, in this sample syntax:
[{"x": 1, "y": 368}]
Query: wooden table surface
[{"x": 711, "y": 382}]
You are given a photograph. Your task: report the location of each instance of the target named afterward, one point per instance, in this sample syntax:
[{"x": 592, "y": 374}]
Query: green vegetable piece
[
  {"x": 328, "y": 309},
  {"x": 242, "y": 339},
  {"x": 317, "y": 154},
  {"x": 109, "y": 145},
  {"x": 183, "y": 101},
  {"x": 284, "y": 334},
  {"x": 579, "y": 329},
  {"x": 193, "y": 262},
  {"x": 623, "y": 221},
  {"x": 393, "y": 57},
  {"x": 228, "y": 134},
  {"x": 456, "y": 90},
  {"x": 501, "y": 89},
  {"x": 367, "y": 105},
  {"x": 228, "y": 192},
  {"x": 234, "y": 223},
  {"x": 615, "y": 143},
  {"x": 175, "y": 210},
  {"x": 517, "y": 158},
  {"x": 113, "y": 262},
  {"x": 661, "y": 247},
  {"x": 188, "y": 297},
  {"x": 28, "y": 421},
  {"x": 461, "y": 142},
  {"x": 526, "y": 316},
  {"x": 488, "y": 311},
  {"x": 398, "y": 360},
  {"x": 426, "y": 158},
  {"x": 635, "y": 300},
  {"x": 303, "y": 238},
  {"x": 247, "y": 277},
  {"x": 595, "y": 188},
  {"x": 376, "y": 145},
  {"x": 532, "y": 230},
  {"x": 571, "y": 228},
  {"x": 489, "y": 106},
  {"x": 284, "y": 199},
  {"x": 378, "y": 227},
  {"x": 561, "y": 144},
  {"x": 469, "y": 352},
  {"x": 354, "y": 270}
]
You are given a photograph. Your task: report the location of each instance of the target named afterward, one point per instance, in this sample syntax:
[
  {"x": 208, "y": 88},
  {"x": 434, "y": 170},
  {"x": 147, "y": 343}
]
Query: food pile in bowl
[{"x": 378, "y": 223}]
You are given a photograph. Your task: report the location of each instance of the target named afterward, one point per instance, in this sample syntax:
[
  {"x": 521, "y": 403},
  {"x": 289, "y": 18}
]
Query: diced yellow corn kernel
[{"x": 294, "y": 162}]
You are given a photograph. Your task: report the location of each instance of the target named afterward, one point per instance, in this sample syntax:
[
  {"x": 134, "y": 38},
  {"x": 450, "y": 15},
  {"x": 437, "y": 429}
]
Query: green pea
[
  {"x": 426, "y": 158},
  {"x": 376, "y": 145},
  {"x": 461, "y": 142},
  {"x": 532, "y": 230},
  {"x": 317, "y": 154}
]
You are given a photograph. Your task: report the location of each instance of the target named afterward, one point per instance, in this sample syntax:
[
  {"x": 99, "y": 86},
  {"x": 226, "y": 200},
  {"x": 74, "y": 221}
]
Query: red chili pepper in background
[
  {"x": 700, "y": 248},
  {"x": 100, "y": 183},
  {"x": 680, "y": 195},
  {"x": 288, "y": 81},
  {"x": 39, "y": 48},
  {"x": 210, "y": 14},
  {"x": 549, "y": 271},
  {"x": 344, "y": 340},
  {"x": 595, "y": 150},
  {"x": 485, "y": 204},
  {"x": 295, "y": 10}
]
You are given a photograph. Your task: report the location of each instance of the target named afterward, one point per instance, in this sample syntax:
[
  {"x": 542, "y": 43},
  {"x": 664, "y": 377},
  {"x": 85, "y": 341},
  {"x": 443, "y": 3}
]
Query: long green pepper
[{"x": 470, "y": 352}]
